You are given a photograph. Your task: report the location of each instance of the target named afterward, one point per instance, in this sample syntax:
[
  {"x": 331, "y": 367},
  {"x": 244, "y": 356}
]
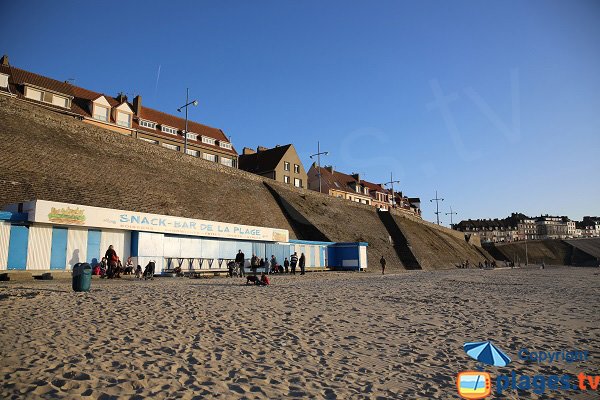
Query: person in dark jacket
[
  {"x": 302, "y": 263},
  {"x": 239, "y": 259},
  {"x": 111, "y": 259},
  {"x": 286, "y": 265},
  {"x": 254, "y": 263},
  {"x": 294, "y": 262},
  {"x": 382, "y": 262}
]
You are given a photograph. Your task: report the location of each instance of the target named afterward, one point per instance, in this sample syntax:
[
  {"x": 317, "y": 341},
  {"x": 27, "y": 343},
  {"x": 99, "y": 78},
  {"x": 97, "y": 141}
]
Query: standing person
[
  {"x": 302, "y": 263},
  {"x": 239, "y": 259},
  {"x": 273, "y": 263},
  {"x": 254, "y": 262},
  {"x": 293, "y": 262},
  {"x": 382, "y": 262},
  {"x": 111, "y": 259},
  {"x": 286, "y": 265}
]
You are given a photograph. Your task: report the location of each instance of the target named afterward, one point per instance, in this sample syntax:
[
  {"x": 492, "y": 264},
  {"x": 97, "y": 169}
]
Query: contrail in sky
[{"x": 157, "y": 78}]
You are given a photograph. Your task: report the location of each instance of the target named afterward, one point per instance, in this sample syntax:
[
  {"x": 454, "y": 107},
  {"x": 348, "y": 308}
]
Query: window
[
  {"x": 286, "y": 179},
  {"x": 296, "y": 169},
  {"x": 286, "y": 166},
  {"x": 147, "y": 124},
  {"x": 168, "y": 129},
  {"x": 208, "y": 140},
  {"x": 123, "y": 119},
  {"x": 33, "y": 94},
  {"x": 225, "y": 145},
  {"x": 100, "y": 113},
  {"x": 209, "y": 157},
  {"x": 46, "y": 97},
  {"x": 194, "y": 153},
  {"x": 4, "y": 80},
  {"x": 170, "y": 146},
  {"x": 298, "y": 182},
  {"x": 149, "y": 140},
  {"x": 227, "y": 161},
  {"x": 192, "y": 136}
]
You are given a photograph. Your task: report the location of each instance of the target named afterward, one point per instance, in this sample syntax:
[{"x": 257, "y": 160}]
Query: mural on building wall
[{"x": 67, "y": 215}]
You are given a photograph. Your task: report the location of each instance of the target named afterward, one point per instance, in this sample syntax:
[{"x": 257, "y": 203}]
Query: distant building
[
  {"x": 117, "y": 114},
  {"x": 589, "y": 226},
  {"x": 352, "y": 187},
  {"x": 280, "y": 163},
  {"x": 521, "y": 227}
]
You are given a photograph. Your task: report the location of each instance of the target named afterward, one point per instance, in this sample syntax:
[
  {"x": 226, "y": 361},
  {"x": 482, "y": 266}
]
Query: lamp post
[
  {"x": 187, "y": 104},
  {"x": 391, "y": 182},
  {"x": 451, "y": 213},
  {"x": 318, "y": 154},
  {"x": 437, "y": 209}
]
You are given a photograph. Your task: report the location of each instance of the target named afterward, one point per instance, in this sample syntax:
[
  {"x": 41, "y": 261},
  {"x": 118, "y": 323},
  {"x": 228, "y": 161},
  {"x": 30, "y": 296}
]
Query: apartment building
[
  {"x": 118, "y": 114},
  {"x": 280, "y": 163}
]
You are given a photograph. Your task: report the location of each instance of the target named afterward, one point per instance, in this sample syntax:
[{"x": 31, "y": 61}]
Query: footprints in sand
[{"x": 336, "y": 337}]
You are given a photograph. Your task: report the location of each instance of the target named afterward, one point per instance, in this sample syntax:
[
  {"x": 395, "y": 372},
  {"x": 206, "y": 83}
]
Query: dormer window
[
  {"x": 192, "y": 136},
  {"x": 147, "y": 124},
  {"x": 208, "y": 140},
  {"x": 47, "y": 96},
  {"x": 101, "y": 113},
  {"x": 123, "y": 119},
  {"x": 168, "y": 129},
  {"x": 225, "y": 145}
]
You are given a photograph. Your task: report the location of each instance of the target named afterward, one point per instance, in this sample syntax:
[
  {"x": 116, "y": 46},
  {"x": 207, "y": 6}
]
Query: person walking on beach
[
  {"x": 302, "y": 263},
  {"x": 239, "y": 259},
  {"x": 293, "y": 262},
  {"x": 286, "y": 265},
  {"x": 382, "y": 262},
  {"x": 111, "y": 259}
]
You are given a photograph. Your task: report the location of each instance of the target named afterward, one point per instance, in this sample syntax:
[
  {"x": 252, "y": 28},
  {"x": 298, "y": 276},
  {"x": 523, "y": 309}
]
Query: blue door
[
  {"x": 17, "y": 247},
  {"x": 93, "y": 247},
  {"x": 58, "y": 253}
]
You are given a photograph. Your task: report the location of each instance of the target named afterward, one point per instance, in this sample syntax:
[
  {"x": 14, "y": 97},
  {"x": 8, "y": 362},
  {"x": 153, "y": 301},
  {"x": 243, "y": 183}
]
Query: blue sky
[{"x": 495, "y": 104}]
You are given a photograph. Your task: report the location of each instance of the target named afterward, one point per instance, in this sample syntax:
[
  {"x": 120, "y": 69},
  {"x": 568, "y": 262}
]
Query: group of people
[
  {"x": 270, "y": 266},
  {"x": 111, "y": 267}
]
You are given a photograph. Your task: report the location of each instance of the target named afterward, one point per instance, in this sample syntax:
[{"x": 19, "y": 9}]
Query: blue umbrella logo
[{"x": 487, "y": 353}]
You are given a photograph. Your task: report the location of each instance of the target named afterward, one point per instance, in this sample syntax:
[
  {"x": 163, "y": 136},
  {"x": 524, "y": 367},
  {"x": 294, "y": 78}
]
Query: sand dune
[{"x": 332, "y": 336}]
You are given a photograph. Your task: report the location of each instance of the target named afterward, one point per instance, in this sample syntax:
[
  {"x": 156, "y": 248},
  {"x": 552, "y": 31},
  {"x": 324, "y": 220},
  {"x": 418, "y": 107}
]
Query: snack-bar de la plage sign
[{"x": 43, "y": 211}]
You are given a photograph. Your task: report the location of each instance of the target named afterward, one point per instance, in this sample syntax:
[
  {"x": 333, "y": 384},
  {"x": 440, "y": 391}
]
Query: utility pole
[
  {"x": 318, "y": 154},
  {"x": 391, "y": 182},
  {"x": 437, "y": 209},
  {"x": 451, "y": 213}
]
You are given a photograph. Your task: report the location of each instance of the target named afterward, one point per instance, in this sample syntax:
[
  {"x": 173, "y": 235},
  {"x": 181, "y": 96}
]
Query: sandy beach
[{"x": 323, "y": 335}]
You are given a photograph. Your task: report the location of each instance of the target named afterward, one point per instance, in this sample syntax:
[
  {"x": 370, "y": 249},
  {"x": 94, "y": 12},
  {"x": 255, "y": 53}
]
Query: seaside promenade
[{"x": 323, "y": 335}]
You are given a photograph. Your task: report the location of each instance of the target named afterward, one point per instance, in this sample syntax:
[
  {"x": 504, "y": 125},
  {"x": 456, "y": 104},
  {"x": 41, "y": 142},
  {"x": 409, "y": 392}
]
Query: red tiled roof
[{"x": 82, "y": 98}]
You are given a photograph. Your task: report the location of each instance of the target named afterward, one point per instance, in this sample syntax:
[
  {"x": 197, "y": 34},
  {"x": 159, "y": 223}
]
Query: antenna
[{"x": 437, "y": 209}]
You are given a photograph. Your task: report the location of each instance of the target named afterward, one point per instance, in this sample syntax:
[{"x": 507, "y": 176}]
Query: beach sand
[{"x": 322, "y": 335}]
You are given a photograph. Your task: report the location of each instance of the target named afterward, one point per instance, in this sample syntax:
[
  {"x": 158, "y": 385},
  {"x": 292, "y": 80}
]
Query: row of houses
[
  {"x": 132, "y": 118},
  {"x": 518, "y": 226}
]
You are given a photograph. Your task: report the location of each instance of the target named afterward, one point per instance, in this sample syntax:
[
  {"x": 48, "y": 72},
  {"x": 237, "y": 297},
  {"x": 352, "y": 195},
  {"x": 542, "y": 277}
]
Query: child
[{"x": 138, "y": 272}]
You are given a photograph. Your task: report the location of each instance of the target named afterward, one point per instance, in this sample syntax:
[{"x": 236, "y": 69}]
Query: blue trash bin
[{"x": 82, "y": 277}]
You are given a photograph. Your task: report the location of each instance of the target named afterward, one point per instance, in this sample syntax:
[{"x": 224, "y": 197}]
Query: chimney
[
  {"x": 121, "y": 98},
  {"x": 329, "y": 168},
  {"x": 4, "y": 61},
  {"x": 248, "y": 150},
  {"x": 137, "y": 105},
  {"x": 261, "y": 148},
  {"x": 356, "y": 176}
]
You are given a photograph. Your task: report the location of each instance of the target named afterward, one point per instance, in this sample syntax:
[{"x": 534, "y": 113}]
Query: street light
[
  {"x": 437, "y": 209},
  {"x": 187, "y": 103},
  {"x": 318, "y": 154},
  {"x": 391, "y": 182},
  {"x": 451, "y": 213}
]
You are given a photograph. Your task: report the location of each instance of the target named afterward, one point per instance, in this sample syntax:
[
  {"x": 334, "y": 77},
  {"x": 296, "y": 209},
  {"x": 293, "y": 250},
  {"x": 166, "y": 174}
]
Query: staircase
[{"x": 401, "y": 245}]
